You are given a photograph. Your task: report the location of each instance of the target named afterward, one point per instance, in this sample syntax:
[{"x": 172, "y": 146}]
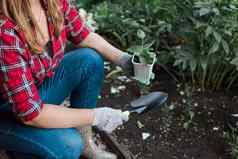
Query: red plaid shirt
[{"x": 21, "y": 71}]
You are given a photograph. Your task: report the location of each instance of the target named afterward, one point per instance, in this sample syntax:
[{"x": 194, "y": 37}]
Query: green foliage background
[{"x": 196, "y": 38}]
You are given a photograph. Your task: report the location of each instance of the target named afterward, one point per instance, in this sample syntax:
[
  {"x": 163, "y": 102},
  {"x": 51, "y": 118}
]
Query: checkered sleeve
[
  {"x": 17, "y": 83},
  {"x": 76, "y": 29}
]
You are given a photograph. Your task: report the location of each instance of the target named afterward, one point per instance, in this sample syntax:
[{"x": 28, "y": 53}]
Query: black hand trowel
[{"x": 147, "y": 102}]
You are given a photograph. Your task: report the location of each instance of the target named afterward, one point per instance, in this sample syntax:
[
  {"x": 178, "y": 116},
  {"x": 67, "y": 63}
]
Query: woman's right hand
[{"x": 108, "y": 119}]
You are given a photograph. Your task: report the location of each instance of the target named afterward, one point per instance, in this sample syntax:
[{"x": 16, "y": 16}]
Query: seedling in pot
[
  {"x": 143, "y": 59},
  {"x": 144, "y": 52}
]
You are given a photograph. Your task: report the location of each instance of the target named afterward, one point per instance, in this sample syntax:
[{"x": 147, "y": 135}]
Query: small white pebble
[
  {"x": 171, "y": 107},
  {"x": 145, "y": 136},
  {"x": 122, "y": 87},
  {"x": 114, "y": 90},
  {"x": 216, "y": 128},
  {"x": 139, "y": 124},
  {"x": 235, "y": 115},
  {"x": 181, "y": 93}
]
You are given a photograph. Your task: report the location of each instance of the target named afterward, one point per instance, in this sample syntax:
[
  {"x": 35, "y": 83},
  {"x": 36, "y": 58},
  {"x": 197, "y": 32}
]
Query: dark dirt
[{"x": 169, "y": 139}]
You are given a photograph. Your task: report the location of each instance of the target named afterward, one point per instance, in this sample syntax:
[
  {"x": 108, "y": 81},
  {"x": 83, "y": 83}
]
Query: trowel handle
[{"x": 126, "y": 115}]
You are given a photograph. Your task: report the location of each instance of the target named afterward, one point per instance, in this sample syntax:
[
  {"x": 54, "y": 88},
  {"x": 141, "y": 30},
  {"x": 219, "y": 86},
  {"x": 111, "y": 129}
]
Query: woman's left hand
[{"x": 125, "y": 62}]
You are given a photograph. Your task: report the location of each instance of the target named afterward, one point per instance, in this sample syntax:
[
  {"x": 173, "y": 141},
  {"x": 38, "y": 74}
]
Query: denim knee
[
  {"x": 91, "y": 59},
  {"x": 94, "y": 58},
  {"x": 73, "y": 148}
]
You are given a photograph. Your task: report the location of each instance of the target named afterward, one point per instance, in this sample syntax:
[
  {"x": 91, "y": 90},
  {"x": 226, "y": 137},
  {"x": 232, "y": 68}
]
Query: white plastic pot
[{"x": 143, "y": 72}]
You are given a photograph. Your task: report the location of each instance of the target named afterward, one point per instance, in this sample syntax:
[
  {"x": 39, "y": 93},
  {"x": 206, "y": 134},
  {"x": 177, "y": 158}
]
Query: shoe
[{"x": 91, "y": 149}]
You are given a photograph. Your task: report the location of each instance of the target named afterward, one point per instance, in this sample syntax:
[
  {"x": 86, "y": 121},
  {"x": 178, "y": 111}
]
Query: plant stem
[
  {"x": 203, "y": 79},
  {"x": 232, "y": 80},
  {"x": 227, "y": 70},
  {"x": 216, "y": 76}
]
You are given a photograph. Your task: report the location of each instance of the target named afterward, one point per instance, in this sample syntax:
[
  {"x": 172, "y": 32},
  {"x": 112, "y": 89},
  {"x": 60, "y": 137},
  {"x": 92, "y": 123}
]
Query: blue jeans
[{"x": 79, "y": 76}]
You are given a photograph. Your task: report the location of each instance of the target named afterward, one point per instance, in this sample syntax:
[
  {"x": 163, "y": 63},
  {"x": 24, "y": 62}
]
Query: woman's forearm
[
  {"x": 98, "y": 43},
  {"x": 53, "y": 116}
]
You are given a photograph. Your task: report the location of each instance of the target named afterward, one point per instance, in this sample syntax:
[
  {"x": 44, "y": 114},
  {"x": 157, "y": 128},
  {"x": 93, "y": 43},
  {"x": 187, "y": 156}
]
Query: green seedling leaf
[
  {"x": 177, "y": 62},
  {"x": 186, "y": 125},
  {"x": 226, "y": 46},
  {"x": 217, "y": 36},
  {"x": 141, "y": 34},
  {"x": 191, "y": 114},
  {"x": 193, "y": 65},
  {"x": 149, "y": 45},
  {"x": 204, "y": 11},
  {"x": 235, "y": 61},
  {"x": 209, "y": 31},
  {"x": 184, "y": 65},
  {"x": 204, "y": 62},
  {"x": 214, "y": 48}
]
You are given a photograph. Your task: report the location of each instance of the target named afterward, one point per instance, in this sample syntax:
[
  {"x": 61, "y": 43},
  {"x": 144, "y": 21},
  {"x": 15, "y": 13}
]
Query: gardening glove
[
  {"x": 108, "y": 119},
  {"x": 91, "y": 149},
  {"x": 125, "y": 62}
]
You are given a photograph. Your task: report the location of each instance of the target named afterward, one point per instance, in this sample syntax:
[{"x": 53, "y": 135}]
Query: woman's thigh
[
  {"x": 45, "y": 143},
  {"x": 73, "y": 74},
  {"x": 79, "y": 75}
]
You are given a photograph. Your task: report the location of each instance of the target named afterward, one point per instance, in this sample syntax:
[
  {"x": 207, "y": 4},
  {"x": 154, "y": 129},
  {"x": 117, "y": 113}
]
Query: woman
[{"x": 36, "y": 77}]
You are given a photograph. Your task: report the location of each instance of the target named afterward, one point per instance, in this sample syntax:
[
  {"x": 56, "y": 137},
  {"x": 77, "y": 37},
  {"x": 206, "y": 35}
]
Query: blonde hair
[{"x": 20, "y": 12}]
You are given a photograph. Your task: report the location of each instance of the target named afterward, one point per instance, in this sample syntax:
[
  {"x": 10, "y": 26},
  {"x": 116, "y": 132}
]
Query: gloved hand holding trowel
[{"x": 108, "y": 119}]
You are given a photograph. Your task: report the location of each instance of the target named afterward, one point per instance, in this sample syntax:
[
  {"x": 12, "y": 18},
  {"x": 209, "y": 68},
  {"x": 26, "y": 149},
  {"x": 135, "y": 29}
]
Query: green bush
[
  {"x": 120, "y": 20},
  {"x": 231, "y": 138},
  {"x": 210, "y": 32},
  {"x": 87, "y": 4},
  {"x": 198, "y": 37}
]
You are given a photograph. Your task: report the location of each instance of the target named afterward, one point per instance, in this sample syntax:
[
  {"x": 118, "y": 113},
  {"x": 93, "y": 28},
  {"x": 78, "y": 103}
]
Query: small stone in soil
[
  {"x": 122, "y": 87},
  {"x": 235, "y": 115},
  {"x": 114, "y": 90},
  {"x": 145, "y": 136},
  {"x": 139, "y": 124},
  {"x": 171, "y": 107},
  {"x": 181, "y": 93},
  {"x": 124, "y": 79}
]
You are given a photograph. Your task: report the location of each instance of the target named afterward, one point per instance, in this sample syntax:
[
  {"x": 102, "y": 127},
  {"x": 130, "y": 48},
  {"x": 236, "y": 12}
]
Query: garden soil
[
  {"x": 204, "y": 139},
  {"x": 168, "y": 139}
]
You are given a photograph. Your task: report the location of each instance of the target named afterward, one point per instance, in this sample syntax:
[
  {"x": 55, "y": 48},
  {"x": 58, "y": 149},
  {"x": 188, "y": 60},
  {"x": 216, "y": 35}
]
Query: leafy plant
[
  {"x": 232, "y": 139},
  {"x": 210, "y": 32},
  {"x": 198, "y": 37},
  {"x": 120, "y": 20},
  {"x": 86, "y": 4},
  {"x": 144, "y": 51}
]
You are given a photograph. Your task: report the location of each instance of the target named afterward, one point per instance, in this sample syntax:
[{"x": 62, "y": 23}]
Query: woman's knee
[
  {"x": 73, "y": 150},
  {"x": 90, "y": 56},
  {"x": 73, "y": 146}
]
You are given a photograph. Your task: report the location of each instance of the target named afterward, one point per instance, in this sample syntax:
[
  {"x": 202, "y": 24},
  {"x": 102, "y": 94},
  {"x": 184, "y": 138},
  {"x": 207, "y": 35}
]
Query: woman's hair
[{"x": 20, "y": 12}]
